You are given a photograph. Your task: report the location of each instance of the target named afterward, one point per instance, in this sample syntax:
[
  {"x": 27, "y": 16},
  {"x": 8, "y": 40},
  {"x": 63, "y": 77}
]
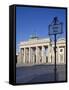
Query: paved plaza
[{"x": 40, "y": 73}]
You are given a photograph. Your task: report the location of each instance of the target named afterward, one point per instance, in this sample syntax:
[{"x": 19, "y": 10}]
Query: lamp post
[{"x": 55, "y": 28}]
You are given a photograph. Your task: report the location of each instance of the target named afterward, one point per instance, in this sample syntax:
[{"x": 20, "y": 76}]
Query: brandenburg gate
[{"x": 41, "y": 51}]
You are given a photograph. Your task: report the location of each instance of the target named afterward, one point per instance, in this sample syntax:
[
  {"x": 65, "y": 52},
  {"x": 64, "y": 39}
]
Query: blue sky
[{"x": 30, "y": 21}]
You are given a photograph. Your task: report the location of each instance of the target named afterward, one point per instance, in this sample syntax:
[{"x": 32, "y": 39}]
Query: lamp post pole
[
  {"x": 55, "y": 22},
  {"x": 55, "y": 56}
]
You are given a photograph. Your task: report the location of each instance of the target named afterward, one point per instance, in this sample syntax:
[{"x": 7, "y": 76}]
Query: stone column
[
  {"x": 43, "y": 55},
  {"x": 31, "y": 58},
  {"x": 53, "y": 55},
  {"x": 58, "y": 56},
  {"x": 20, "y": 55},
  {"x": 49, "y": 54},
  {"x": 29, "y": 54},
  {"x": 37, "y": 59},
  {"x": 24, "y": 55},
  {"x": 65, "y": 55}
]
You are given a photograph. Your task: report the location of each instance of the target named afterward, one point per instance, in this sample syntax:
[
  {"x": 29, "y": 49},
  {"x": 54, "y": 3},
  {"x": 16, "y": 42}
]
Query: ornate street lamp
[{"x": 55, "y": 28}]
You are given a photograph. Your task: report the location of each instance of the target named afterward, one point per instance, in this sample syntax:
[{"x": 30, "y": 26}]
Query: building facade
[{"x": 41, "y": 51}]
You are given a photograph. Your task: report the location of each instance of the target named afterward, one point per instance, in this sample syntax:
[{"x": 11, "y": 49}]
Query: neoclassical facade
[{"x": 41, "y": 51}]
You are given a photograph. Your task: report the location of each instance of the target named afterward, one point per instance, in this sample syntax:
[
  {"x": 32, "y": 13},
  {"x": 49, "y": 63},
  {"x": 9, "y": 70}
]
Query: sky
[{"x": 35, "y": 21}]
